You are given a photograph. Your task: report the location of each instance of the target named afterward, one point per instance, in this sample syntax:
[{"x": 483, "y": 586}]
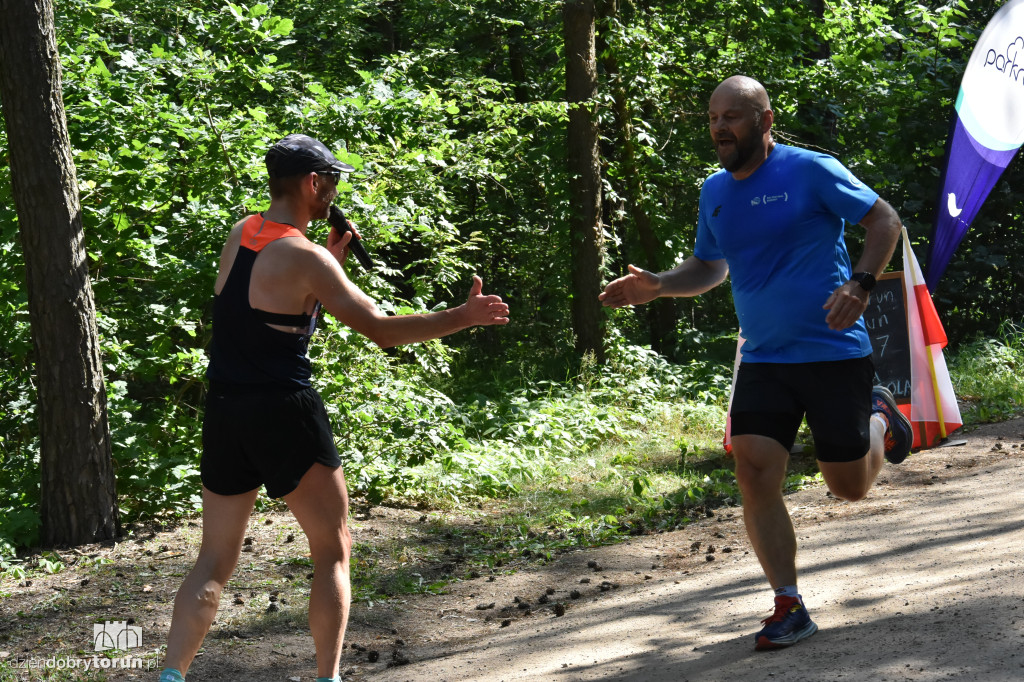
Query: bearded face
[
  {"x": 738, "y": 122},
  {"x": 738, "y": 145}
]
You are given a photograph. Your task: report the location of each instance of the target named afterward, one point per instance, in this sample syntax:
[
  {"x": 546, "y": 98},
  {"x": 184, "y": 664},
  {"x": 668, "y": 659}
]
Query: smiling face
[{"x": 740, "y": 124}]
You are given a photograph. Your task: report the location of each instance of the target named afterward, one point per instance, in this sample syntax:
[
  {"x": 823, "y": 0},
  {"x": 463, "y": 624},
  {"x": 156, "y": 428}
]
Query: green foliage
[
  {"x": 421, "y": 444},
  {"x": 986, "y": 375},
  {"x": 452, "y": 115},
  {"x": 9, "y": 566}
]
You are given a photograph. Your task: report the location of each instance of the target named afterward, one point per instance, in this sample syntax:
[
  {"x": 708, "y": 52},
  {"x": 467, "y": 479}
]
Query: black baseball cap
[{"x": 299, "y": 154}]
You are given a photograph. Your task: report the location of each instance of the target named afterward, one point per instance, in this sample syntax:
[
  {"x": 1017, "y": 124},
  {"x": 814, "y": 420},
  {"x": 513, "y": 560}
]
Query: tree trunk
[
  {"x": 815, "y": 115},
  {"x": 660, "y": 312},
  {"x": 390, "y": 11},
  {"x": 585, "y": 230},
  {"x": 78, "y": 500},
  {"x": 517, "y": 63}
]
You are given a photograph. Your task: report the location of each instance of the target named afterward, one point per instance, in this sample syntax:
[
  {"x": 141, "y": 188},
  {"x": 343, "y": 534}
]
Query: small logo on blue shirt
[{"x": 769, "y": 199}]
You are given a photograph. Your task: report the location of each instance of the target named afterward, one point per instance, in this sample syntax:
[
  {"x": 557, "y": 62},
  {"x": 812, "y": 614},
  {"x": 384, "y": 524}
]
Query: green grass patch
[{"x": 988, "y": 376}]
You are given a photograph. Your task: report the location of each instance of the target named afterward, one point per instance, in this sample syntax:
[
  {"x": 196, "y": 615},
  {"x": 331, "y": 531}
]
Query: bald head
[
  {"x": 741, "y": 118},
  {"x": 745, "y": 89}
]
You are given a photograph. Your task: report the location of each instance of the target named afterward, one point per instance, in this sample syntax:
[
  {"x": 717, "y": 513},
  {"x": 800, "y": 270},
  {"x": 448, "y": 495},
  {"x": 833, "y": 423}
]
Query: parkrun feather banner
[{"x": 989, "y": 129}]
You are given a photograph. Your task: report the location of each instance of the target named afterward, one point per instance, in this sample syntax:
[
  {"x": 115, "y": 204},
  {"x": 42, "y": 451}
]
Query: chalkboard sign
[{"x": 886, "y": 320}]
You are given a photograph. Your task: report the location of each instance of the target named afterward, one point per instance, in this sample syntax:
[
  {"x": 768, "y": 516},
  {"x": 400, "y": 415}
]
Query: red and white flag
[{"x": 933, "y": 410}]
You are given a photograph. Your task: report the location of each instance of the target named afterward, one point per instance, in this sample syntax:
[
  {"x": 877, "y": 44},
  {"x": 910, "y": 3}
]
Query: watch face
[{"x": 865, "y": 279}]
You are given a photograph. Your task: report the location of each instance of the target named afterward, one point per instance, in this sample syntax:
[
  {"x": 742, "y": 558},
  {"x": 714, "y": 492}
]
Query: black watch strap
[{"x": 866, "y": 280}]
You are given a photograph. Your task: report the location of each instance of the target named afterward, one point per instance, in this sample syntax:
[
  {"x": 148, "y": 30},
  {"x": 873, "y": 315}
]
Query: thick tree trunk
[
  {"x": 585, "y": 229},
  {"x": 79, "y": 504}
]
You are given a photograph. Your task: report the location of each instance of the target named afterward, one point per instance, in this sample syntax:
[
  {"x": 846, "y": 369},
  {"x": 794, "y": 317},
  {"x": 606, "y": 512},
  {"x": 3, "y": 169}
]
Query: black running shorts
[
  {"x": 263, "y": 437},
  {"x": 771, "y": 399}
]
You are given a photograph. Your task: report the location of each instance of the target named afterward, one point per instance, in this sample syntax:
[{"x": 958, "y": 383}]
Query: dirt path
[{"x": 923, "y": 580}]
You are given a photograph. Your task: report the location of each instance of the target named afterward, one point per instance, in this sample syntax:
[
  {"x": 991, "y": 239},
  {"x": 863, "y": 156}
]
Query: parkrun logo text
[{"x": 1007, "y": 62}]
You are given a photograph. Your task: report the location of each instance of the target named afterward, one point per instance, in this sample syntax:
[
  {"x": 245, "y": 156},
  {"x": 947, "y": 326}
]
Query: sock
[
  {"x": 883, "y": 418},
  {"x": 788, "y": 591},
  {"x": 171, "y": 675}
]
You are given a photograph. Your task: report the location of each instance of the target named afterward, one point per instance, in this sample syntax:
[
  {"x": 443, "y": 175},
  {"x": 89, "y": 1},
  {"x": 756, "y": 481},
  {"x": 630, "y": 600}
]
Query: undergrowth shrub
[{"x": 988, "y": 375}]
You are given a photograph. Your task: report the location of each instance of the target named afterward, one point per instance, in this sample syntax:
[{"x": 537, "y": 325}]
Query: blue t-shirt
[{"x": 781, "y": 233}]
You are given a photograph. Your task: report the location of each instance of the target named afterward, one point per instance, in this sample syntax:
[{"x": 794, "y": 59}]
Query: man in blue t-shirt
[{"x": 773, "y": 219}]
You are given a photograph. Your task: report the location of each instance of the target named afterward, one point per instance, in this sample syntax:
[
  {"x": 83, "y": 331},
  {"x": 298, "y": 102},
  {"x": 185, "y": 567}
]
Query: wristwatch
[{"x": 865, "y": 279}]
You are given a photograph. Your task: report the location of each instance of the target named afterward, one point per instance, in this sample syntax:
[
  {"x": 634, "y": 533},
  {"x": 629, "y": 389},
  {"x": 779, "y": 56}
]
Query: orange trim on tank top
[{"x": 258, "y": 232}]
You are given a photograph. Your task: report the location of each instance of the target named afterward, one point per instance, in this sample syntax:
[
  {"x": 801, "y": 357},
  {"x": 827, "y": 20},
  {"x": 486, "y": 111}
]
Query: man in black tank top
[{"x": 264, "y": 424}]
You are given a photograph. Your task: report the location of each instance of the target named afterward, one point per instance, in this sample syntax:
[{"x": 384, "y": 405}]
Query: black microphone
[{"x": 338, "y": 222}]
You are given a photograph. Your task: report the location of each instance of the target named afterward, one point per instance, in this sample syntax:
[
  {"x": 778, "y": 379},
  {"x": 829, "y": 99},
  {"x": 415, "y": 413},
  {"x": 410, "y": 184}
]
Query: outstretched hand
[
  {"x": 485, "y": 310},
  {"x": 639, "y": 286}
]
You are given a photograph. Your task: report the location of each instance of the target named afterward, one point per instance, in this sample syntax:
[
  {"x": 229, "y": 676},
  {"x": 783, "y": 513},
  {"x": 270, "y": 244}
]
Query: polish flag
[{"x": 933, "y": 410}]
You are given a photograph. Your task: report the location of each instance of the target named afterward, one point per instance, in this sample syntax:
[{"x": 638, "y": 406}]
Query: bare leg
[
  {"x": 852, "y": 480},
  {"x": 320, "y": 505},
  {"x": 224, "y": 522},
  {"x": 760, "y": 471}
]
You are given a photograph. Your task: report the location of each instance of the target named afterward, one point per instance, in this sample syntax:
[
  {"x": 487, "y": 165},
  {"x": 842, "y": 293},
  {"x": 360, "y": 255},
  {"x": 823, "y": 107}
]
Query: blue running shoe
[
  {"x": 899, "y": 436},
  {"x": 788, "y": 625}
]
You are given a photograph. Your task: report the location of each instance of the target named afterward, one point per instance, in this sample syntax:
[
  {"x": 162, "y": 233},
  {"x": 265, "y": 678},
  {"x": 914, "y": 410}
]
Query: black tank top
[{"x": 245, "y": 353}]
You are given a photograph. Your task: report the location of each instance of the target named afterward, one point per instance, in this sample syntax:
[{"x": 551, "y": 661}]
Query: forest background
[{"x": 454, "y": 115}]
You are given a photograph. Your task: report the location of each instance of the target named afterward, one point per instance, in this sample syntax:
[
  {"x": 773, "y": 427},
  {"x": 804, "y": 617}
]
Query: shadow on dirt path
[{"x": 923, "y": 580}]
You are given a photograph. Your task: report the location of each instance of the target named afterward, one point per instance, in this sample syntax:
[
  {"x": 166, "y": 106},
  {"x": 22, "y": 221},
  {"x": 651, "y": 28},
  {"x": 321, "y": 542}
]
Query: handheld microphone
[{"x": 338, "y": 222}]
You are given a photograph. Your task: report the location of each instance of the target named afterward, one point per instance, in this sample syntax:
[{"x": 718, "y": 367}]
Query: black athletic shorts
[
  {"x": 771, "y": 399},
  {"x": 263, "y": 437}
]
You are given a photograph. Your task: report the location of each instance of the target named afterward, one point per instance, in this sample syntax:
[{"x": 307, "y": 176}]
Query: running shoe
[
  {"x": 899, "y": 436},
  {"x": 788, "y": 625}
]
